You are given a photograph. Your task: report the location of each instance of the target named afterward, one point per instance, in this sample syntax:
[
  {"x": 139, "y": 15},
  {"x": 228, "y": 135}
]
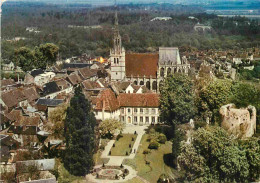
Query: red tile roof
[
  {"x": 107, "y": 100},
  {"x": 138, "y": 100},
  {"x": 141, "y": 64}
]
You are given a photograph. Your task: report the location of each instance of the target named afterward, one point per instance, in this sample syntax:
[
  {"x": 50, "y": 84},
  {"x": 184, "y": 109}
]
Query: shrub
[
  {"x": 162, "y": 138},
  {"x": 146, "y": 151},
  {"x": 114, "y": 145},
  {"x": 153, "y": 145},
  {"x": 130, "y": 145},
  {"x": 199, "y": 124},
  {"x": 133, "y": 138},
  {"x": 163, "y": 179}
]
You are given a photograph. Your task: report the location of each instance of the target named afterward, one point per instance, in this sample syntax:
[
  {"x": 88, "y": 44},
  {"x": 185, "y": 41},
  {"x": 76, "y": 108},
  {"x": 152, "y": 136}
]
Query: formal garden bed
[
  {"x": 110, "y": 172},
  {"x": 123, "y": 145}
]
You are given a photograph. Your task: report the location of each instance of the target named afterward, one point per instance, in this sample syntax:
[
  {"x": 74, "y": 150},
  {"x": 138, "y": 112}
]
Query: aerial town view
[{"x": 134, "y": 91}]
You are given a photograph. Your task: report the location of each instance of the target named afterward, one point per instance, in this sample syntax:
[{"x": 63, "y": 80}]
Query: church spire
[{"x": 117, "y": 38}]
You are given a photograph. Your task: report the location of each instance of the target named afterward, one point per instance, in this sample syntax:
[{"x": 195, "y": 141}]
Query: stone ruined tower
[{"x": 117, "y": 55}]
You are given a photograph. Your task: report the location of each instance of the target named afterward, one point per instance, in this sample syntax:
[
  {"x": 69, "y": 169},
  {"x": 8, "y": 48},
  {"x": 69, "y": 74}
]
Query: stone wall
[{"x": 239, "y": 122}]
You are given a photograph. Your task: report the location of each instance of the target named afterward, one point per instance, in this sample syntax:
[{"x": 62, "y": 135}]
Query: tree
[
  {"x": 80, "y": 135},
  {"x": 212, "y": 97},
  {"x": 46, "y": 54},
  {"x": 194, "y": 164},
  {"x": 245, "y": 94},
  {"x": 179, "y": 136},
  {"x": 108, "y": 127},
  {"x": 177, "y": 100},
  {"x": 214, "y": 156},
  {"x": 57, "y": 118},
  {"x": 252, "y": 150},
  {"x": 24, "y": 58}
]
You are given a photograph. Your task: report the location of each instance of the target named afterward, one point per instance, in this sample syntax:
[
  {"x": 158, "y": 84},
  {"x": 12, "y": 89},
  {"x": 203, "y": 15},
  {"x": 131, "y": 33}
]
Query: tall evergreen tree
[{"x": 80, "y": 135}]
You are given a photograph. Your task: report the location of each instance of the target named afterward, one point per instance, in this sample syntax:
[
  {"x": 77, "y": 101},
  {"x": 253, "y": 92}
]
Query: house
[
  {"x": 8, "y": 145},
  {"x": 38, "y": 77},
  {"x": 161, "y": 18},
  {"x": 139, "y": 109},
  {"x": 106, "y": 105},
  {"x": 5, "y": 122},
  {"x": 22, "y": 97},
  {"x": 43, "y": 78},
  {"x": 25, "y": 129},
  {"x": 53, "y": 89},
  {"x": 74, "y": 79},
  {"x": 8, "y": 67},
  {"x": 48, "y": 105},
  {"x": 50, "y": 90},
  {"x": 86, "y": 73},
  {"x": 136, "y": 89}
]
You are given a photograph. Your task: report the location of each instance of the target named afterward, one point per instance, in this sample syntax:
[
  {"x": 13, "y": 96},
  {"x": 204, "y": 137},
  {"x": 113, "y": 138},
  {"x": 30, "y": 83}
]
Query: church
[{"x": 147, "y": 69}]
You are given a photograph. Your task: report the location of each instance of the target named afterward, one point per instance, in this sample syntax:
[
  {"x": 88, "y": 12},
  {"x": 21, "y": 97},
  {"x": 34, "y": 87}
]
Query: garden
[{"x": 123, "y": 145}]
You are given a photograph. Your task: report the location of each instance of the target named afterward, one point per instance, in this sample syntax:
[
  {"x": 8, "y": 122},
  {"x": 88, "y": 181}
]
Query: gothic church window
[{"x": 162, "y": 72}]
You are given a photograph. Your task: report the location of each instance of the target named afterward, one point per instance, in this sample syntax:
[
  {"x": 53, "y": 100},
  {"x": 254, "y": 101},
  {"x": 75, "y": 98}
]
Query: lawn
[
  {"x": 122, "y": 145},
  {"x": 157, "y": 159}
]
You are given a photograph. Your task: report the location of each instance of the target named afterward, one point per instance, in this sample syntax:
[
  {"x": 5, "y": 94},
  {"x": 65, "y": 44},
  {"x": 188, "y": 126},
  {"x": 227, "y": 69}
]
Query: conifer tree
[{"x": 80, "y": 135}]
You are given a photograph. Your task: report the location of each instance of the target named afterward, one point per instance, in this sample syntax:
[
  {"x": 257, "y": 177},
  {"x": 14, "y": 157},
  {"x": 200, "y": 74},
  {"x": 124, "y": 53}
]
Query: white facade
[
  {"x": 139, "y": 115},
  {"x": 44, "y": 78},
  {"x": 103, "y": 115}
]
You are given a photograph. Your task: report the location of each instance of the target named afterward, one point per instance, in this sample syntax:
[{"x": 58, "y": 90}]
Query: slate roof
[
  {"x": 76, "y": 65},
  {"x": 36, "y": 72},
  {"x": 141, "y": 64},
  {"x": 49, "y": 102},
  {"x": 50, "y": 87},
  {"x": 169, "y": 55},
  {"x": 138, "y": 100}
]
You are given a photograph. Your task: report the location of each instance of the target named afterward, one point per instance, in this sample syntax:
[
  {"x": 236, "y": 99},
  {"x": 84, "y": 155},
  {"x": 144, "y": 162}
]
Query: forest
[{"x": 54, "y": 24}]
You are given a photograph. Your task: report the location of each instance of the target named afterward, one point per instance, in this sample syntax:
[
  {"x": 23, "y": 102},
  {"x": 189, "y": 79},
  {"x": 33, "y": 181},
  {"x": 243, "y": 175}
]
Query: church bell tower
[{"x": 117, "y": 55}]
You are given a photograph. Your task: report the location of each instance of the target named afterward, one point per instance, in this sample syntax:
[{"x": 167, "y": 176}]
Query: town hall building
[{"x": 147, "y": 69}]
